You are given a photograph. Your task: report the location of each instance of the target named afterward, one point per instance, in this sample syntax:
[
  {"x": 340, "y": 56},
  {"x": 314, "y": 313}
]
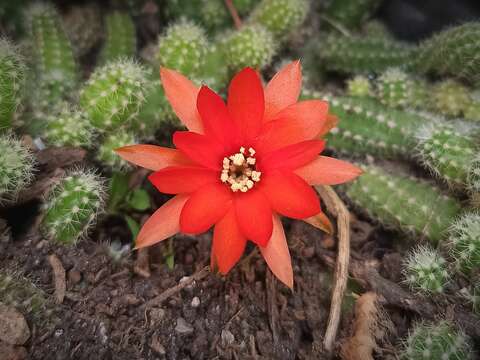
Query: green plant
[
  {"x": 107, "y": 155},
  {"x": 214, "y": 72},
  {"x": 464, "y": 242},
  {"x": 450, "y": 98},
  {"x": 121, "y": 40},
  {"x": 72, "y": 206},
  {"x": 394, "y": 88},
  {"x": 436, "y": 341},
  {"x": 114, "y": 94},
  {"x": 359, "y": 86},
  {"x": 351, "y": 13},
  {"x": 425, "y": 270},
  {"x": 403, "y": 203}
]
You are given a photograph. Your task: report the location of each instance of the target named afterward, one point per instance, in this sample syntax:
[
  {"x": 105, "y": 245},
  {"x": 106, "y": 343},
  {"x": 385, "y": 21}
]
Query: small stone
[
  {"x": 157, "y": 315},
  {"x": 227, "y": 337},
  {"x": 157, "y": 346},
  {"x": 10, "y": 352},
  {"x": 195, "y": 302},
  {"x": 183, "y": 327},
  {"x": 13, "y": 326}
]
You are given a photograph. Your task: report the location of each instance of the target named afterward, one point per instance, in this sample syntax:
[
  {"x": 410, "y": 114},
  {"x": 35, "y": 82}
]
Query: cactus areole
[{"x": 240, "y": 165}]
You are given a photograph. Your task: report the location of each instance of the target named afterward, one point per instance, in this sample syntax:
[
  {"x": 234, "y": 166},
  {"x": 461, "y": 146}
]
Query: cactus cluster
[
  {"x": 404, "y": 203},
  {"x": 114, "y": 94},
  {"x": 351, "y": 13},
  {"x": 83, "y": 25},
  {"x": 450, "y": 98},
  {"x": 12, "y": 76},
  {"x": 464, "y": 242},
  {"x": 72, "y": 206},
  {"x": 107, "y": 155},
  {"x": 121, "y": 39},
  {"x": 436, "y": 341},
  {"x": 425, "y": 270},
  {"x": 16, "y": 166}
]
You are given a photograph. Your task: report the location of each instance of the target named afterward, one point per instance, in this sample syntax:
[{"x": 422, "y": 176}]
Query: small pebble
[
  {"x": 195, "y": 302},
  {"x": 183, "y": 327},
  {"x": 13, "y": 326},
  {"x": 227, "y": 337}
]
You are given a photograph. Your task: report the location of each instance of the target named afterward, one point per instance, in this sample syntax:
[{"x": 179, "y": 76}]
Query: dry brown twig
[
  {"x": 337, "y": 208},
  {"x": 234, "y": 13},
  {"x": 59, "y": 278}
]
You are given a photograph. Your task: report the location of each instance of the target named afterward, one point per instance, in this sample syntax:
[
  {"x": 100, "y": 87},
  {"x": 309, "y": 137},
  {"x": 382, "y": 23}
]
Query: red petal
[
  {"x": 163, "y": 223},
  {"x": 228, "y": 242},
  {"x": 277, "y": 256},
  {"x": 199, "y": 148},
  {"x": 246, "y": 103},
  {"x": 215, "y": 117},
  {"x": 320, "y": 221},
  {"x": 178, "y": 180},
  {"x": 182, "y": 94},
  {"x": 329, "y": 124},
  {"x": 254, "y": 216},
  {"x": 152, "y": 157},
  {"x": 283, "y": 89},
  {"x": 290, "y": 195},
  {"x": 325, "y": 170},
  {"x": 296, "y": 123},
  {"x": 204, "y": 208},
  {"x": 292, "y": 156}
]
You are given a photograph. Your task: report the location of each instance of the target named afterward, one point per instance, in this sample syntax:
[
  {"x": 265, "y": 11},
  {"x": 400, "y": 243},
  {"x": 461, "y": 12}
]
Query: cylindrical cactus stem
[
  {"x": 395, "y": 88},
  {"x": 464, "y": 242},
  {"x": 121, "y": 39},
  {"x": 455, "y": 52},
  {"x": 16, "y": 167},
  {"x": 12, "y": 77},
  {"x": 252, "y": 46},
  {"x": 351, "y": 13},
  {"x": 68, "y": 126},
  {"x": 369, "y": 128},
  {"x": 425, "y": 271},
  {"x": 83, "y": 25},
  {"x": 106, "y": 151},
  {"x": 446, "y": 152},
  {"x": 403, "y": 203},
  {"x": 436, "y": 341},
  {"x": 114, "y": 94},
  {"x": 473, "y": 179},
  {"x": 362, "y": 55},
  {"x": 280, "y": 17},
  {"x": 359, "y": 86},
  {"x": 450, "y": 98},
  {"x": 72, "y": 206},
  {"x": 214, "y": 72},
  {"x": 214, "y": 15},
  {"x": 183, "y": 48}
]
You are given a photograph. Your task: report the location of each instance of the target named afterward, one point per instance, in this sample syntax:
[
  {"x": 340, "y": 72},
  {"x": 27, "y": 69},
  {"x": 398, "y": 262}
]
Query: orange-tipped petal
[
  {"x": 164, "y": 222},
  {"x": 228, "y": 243},
  {"x": 182, "y": 179},
  {"x": 292, "y": 156},
  {"x": 329, "y": 124},
  {"x": 283, "y": 89},
  {"x": 320, "y": 221},
  {"x": 182, "y": 94},
  {"x": 325, "y": 170},
  {"x": 152, "y": 157},
  {"x": 277, "y": 256}
]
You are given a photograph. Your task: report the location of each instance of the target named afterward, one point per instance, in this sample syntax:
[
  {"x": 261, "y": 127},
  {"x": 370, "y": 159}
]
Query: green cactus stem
[
  {"x": 351, "y": 13},
  {"x": 450, "y": 98},
  {"x": 359, "y": 86},
  {"x": 121, "y": 39},
  {"x": 106, "y": 152},
  {"x": 464, "y": 242},
  {"x": 394, "y": 88}
]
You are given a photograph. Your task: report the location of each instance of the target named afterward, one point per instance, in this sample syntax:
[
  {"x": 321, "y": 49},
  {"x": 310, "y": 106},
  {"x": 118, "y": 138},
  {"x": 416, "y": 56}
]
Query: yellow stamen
[{"x": 239, "y": 172}]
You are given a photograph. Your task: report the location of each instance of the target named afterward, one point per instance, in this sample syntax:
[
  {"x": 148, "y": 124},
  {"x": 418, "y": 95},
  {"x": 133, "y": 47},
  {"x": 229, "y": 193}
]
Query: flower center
[{"x": 239, "y": 170}]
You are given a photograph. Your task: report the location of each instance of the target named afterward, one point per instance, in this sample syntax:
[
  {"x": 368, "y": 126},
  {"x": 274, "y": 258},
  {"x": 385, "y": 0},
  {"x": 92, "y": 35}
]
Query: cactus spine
[
  {"x": 114, "y": 94},
  {"x": 121, "y": 38},
  {"x": 464, "y": 242},
  {"x": 12, "y": 76},
  {"x": 425, "y": 270},
  {"x": 403, "y": 203},
  {"x": 107, "y": 155},
  {"x": 72, "y": 206}
]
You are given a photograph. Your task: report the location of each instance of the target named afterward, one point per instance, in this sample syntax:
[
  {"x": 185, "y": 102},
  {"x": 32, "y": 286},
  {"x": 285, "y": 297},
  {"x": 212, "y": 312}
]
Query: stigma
[{"x": 238, "y": 170}]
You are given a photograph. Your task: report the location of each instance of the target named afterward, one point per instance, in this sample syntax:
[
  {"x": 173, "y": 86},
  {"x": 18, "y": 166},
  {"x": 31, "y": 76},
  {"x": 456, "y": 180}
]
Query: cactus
[
  {"x": 472, "y": 111},
  {"x": 455, "y": 52},
  {"x": 280, "y": 17},
  {"x": 367, "y": 127},
  {"x": 12, "y": 76},
  {"x": 403, "y": 203},
  {"x": 214, "y": 72},
  {"x": 72, "y": 206},
  {"x": 214, "y": 14},
  {"x": 375, "y": 28},
  {"x": 394, "y": 88},
  {"x": 473, "y": 177},
  {"x": 437, "y": 341},
  {"x": 114, "y": 94},
  {"x": 362, "y": 55},
  {"x": 183, "y": 47},
  {"x": 447, "y": 153},
  {"x": 450, "y": 98},
  {"x": 106, "y": 151},
  {"x": 359, "y": 86},
  {"x": 83, "y": 25},
  {"x": 351, "y": 13},
  {"x": 69, "y": 127},
  {"x": 16, "y": 167},
  {"x": 53, "y": 54},
  {"x": 425, "y": 271},
  {"x": 252, "y": 46},
  {"x": 464, "y": 242},
  {"x": 121, "y": 38}
]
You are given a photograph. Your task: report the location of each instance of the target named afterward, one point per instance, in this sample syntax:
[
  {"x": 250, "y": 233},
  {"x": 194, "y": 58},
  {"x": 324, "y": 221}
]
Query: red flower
[{"x": 240, "y": 165}]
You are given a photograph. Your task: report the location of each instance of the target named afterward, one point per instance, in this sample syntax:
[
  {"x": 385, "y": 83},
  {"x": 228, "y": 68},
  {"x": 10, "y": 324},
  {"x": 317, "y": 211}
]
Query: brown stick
[
  {"x": 234, "y": 13},
  {"x": 272, "y": 308},
  {"x": 337, "y": 208},
  {"x": 158, "y": 300},
  {"x": 59, "y": 278}
]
